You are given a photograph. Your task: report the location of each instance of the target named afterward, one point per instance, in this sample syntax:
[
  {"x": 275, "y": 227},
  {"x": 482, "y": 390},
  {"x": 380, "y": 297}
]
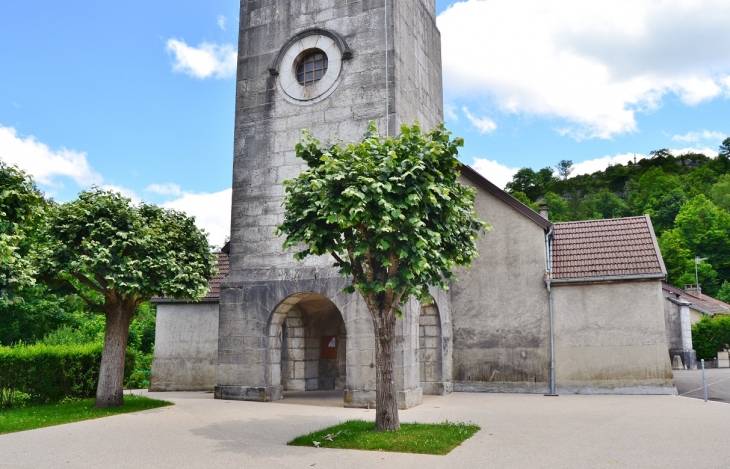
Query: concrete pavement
[
  {"x": 518, "y": 431},
  {"x": 689, "y": 384}
]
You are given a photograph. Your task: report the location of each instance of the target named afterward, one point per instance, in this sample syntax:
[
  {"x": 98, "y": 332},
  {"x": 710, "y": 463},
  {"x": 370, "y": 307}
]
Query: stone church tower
[{"x": 328, "y": 66}]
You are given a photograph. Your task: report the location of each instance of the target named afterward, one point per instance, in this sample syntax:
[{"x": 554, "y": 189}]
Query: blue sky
[{"x": 139, "y": 96}]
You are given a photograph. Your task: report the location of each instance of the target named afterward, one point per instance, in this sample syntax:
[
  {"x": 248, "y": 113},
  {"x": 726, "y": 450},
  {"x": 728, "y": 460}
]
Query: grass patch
[
  {"x": 28, "y": 418},
  {"x": 423, "y": 438}
]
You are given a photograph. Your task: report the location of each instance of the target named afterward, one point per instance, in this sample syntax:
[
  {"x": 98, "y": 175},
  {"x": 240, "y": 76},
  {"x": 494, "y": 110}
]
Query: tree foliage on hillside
[
  {"x": 396, "y": 219},
  {"x": 686, "y": 196}
]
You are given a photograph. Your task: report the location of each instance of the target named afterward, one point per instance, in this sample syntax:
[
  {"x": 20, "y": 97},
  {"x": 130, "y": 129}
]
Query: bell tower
[{"x": 328, "y": 66}]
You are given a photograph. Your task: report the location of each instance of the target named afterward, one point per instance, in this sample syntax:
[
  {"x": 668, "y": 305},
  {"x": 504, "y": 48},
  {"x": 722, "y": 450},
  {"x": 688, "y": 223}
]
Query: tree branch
[{"x": 89, "y": 283}]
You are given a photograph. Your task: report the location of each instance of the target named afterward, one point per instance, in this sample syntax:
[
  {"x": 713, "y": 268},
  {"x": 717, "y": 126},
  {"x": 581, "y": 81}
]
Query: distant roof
[
  {"x": 214, "y": 285},
  {"x": 705, "y": 304},
  {"x": 484, "y": 183},
  {"x": 612, "y": 249}
]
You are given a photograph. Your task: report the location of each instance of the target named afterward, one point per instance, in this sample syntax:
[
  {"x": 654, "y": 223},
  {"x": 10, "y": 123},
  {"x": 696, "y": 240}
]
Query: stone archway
[{"x": 308, "y": 344}]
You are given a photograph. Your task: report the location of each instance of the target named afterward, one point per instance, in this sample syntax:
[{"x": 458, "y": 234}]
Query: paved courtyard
[
  {"x": 689, "y": 384},
  {"x": 518, "y": 431}
]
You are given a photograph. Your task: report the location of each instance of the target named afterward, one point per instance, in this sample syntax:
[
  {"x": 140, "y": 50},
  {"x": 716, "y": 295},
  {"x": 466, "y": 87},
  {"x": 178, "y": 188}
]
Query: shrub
[
  {"x": 42, "y": 374},
  {"x": 710, "y": 335}
]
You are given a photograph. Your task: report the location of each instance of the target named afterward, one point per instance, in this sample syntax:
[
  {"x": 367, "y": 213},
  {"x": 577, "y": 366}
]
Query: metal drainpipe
[{"x": 548, "y": 275}]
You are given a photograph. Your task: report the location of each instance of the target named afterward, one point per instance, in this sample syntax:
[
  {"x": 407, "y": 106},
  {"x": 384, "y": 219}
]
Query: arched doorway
[{"x": 308, "y": 341}]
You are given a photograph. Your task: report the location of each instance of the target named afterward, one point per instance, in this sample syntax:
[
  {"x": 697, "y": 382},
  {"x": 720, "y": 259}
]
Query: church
[{"x": 546, "y": 308}]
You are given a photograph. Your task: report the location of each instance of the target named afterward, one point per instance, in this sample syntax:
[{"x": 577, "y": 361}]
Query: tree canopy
[
  {"x": 116, "y": 256},
  {"x": 396, "y": 219},
  {"x": 21, "y": 206}
]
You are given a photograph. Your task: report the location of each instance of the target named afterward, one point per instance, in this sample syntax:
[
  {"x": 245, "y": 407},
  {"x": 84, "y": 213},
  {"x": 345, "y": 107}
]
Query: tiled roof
[
  {"x": 705, "y": 303},
  {"x": 215, "y": 282},
  {"x": 214, "y": 286},
  {"x": 618, "y": 247}
]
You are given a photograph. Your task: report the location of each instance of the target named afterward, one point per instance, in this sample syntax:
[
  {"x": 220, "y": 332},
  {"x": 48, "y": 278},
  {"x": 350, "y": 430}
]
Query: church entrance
[{"x": 313, "y": 346}]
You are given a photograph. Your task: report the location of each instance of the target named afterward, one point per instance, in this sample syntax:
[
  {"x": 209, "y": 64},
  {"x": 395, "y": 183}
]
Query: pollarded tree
[
  {"x": 395, "y": 218},
  {"x": 21, "y": 206},
  {"x": 118, "y": 255}
]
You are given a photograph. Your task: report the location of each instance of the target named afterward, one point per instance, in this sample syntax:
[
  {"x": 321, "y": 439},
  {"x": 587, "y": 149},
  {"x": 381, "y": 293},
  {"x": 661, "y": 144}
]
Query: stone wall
[
  {"x": 500, "y": 308},
  {"x": 611, "y": 338},
  {"x": 186, "y": 347}
]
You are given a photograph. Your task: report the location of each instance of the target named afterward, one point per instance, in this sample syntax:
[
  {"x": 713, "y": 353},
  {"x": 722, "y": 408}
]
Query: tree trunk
[
  {"x": 386, "y": 412},
  {"x": 110, "y": 390}
]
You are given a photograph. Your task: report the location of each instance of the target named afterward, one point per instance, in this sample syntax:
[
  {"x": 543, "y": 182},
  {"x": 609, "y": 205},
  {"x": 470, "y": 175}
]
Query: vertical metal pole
[{"x": 704, "y": 379}]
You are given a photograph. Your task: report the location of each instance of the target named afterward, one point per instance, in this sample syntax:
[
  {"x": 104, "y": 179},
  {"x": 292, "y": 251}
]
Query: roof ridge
[{"x": 598, "y": 220}]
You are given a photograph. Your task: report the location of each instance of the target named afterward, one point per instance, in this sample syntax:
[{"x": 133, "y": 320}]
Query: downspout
[{"x": 548, "y": 277}]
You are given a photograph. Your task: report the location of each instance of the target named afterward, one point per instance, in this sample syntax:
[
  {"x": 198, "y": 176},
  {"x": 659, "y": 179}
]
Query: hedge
[
  {"x": 44, "y": 374},
  {"x": 710, "y": 335}
]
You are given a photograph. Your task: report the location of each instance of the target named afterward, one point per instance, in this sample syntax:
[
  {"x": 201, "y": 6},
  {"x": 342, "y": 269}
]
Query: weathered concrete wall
[
  {"x": 417, "y": 59},
  {"x": 695, "y": 316},
  {"x": 186, "y": 347},
  {"x": 677, "y": 320},
  {"x": 499, "y": 306},
  {"x": 673, "y": 324},
  {"x": 611, "y": 338},
  {"x": 268, "y": 126}
]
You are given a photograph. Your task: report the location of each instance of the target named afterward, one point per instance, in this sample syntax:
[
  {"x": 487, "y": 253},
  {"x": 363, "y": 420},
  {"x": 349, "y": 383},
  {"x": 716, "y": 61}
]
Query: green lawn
[
  {"x": 425, "y": 438},
  {"x": 28, "y": 418}
]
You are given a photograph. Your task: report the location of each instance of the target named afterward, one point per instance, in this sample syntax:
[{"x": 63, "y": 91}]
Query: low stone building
[{"x": 682, "y": 308}]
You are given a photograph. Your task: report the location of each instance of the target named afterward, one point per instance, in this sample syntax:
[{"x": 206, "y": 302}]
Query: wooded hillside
[{"x": 687, "y": 197}]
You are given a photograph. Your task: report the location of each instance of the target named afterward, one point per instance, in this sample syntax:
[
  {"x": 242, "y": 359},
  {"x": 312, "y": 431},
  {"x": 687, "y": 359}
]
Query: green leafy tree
[
  {"x": 21, "y": 206},
  {"x": 700, "y": 229},
  {"x": 396, "y": 220},
  {"x": 723, "y": 294},
  {"x": 564, "y": 168},
  {"x": 710, "y": 335},
  {"x": 720, "y": 192},
  {"x": 604, "y": 204},
  {"x": 116, "y": 256},
  {"x": 558, "y": 207},
  {"x": 531, "y": 183},
  {"x": 522, "y": 197}
]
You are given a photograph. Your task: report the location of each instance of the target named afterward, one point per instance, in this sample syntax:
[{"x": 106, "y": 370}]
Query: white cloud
[
  {"x": 48, "y": 167},
  {"x": 164, "y": 189},
  {"x": 495, "y": 172},
  {"x": 206, "y": 60},
  {"x": 593, "y": 64},
  {"x": 485, "y": 125},
  {"x": 450, "y": 112},
  {"x": 700, "y": 136},
  {"x": 129, "y": 193},
  {"x": 599, "y": 164},
  {"x": 222, "y": 22},
  {"x": 212, "y": 212},
  {"x": 704, "y": 150}
]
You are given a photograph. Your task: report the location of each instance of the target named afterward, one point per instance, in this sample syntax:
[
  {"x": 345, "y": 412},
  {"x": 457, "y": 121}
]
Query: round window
[{"x": 311, "y": 67}]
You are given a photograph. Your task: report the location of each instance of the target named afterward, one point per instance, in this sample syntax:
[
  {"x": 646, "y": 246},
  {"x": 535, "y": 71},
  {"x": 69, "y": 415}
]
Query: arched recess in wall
[
  {"x": 431, "y": 350},
  {"x": 307, "y": 343}
]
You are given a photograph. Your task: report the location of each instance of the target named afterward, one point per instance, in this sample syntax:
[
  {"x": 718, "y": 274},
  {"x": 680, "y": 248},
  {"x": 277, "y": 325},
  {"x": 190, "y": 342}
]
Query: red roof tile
[
  {"x": 617, "y": 247},
  {"x": 215, "y": 283}
]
